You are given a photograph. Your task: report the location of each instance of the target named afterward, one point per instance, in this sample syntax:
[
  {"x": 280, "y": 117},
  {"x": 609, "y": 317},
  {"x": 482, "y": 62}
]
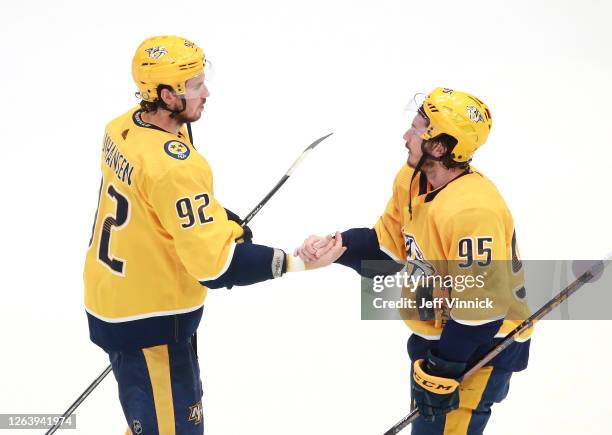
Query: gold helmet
[
  {"x": 459, "y": 115},
  {"x": 165, "y": 60}
]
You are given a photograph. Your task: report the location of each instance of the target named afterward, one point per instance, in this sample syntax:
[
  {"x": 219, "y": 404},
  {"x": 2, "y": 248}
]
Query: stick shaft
[
  {"x": 263, "y": 202},
  {"x": 283, "y": 179},
  {"x": 80, "y": 400}
]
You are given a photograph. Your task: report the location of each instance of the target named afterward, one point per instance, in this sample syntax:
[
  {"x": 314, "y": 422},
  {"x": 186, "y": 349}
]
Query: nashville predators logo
[
  {"x": 413, "y": 251},
  {"x": 195, "y": 413},
  {"x": 415, "y": 260},
  {"x": 156, "y": 52},
  {"x": 474, "y": 114},
  {"x": 176, "y": 149}
]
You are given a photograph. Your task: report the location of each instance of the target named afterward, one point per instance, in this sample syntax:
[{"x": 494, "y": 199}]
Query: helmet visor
[
  {"x": 416, "y": 115},
  {"x": 416, "y": 104},
  {"x": 197, "y": 87}
]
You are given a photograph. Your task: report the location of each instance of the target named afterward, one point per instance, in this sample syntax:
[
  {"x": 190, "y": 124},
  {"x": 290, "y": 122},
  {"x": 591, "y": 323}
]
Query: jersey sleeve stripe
[{"x": 390, "y": 253}]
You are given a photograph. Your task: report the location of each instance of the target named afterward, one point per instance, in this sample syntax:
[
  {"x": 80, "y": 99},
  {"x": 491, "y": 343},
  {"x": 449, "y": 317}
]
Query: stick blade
[{"x": 318, "y": 141}]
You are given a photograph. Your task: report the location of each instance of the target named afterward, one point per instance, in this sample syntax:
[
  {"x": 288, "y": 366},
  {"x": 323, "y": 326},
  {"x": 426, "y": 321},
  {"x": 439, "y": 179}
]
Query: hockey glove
[
  {"x": 435, "y": 391},
  {"x": 247, "y": 236}
]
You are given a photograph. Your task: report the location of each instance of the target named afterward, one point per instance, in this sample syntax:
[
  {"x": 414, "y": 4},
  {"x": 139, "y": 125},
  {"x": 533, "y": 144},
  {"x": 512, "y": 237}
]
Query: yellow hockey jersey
[
  {"x": 158, "y": 230},
  {"x": 462, "y": 228}
]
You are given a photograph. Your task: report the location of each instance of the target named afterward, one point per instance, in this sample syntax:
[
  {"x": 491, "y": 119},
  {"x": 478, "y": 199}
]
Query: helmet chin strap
[
  {"x": 417, "y": 169},
  {"x": 174, "y": 113},
  {"x": 424, "y": 157}
]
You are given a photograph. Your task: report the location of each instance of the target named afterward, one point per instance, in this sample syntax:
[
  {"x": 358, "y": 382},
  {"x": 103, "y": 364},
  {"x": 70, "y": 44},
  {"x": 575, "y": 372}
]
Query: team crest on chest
[
  {"x": 413, "y": 251},
  {"x": 176, "y": 149},
  {"x": 415, "y": 259}
]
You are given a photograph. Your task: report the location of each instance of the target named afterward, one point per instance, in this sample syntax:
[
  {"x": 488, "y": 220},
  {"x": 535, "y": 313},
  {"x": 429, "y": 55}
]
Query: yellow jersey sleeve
[{"x": 203, "y": 236}]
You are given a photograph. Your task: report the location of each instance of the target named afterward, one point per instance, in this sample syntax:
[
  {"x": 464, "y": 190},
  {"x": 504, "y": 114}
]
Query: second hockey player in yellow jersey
[
  {"x": 447, "y": 219},
  {"x": 463, "y": 228}
]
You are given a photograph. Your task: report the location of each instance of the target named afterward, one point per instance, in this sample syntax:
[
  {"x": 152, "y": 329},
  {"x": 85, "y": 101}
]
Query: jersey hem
[
  {"x": 143, "y": 316},
  {"x": 476, "y": 322}
]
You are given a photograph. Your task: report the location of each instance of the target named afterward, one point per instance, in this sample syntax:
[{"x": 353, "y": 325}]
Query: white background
[{"x": 293, "y": 356}]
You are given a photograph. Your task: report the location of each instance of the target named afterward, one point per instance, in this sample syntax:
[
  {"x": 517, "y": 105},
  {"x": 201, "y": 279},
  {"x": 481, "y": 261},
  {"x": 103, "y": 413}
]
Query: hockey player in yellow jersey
[
  {"x": 445, "y": 218},
  {"x": 160, "y": 240}
]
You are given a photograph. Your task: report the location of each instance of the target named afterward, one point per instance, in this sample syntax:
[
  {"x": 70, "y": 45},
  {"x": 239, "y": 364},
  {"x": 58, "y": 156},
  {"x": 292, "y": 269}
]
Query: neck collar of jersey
[
  {"x": 431, "y": 195},
  {"x": 137, "y": 118}
]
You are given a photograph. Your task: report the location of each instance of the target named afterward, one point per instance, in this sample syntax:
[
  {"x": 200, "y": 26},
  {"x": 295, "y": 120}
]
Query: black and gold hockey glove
[
  {"x": 434, "y": 389},
  {"x": 247, "y": 236}
]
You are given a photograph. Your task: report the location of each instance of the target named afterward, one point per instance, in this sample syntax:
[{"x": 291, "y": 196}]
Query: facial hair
[{"x": 183, "y": 118}]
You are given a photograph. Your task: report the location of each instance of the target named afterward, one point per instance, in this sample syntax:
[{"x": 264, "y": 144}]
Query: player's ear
[
  {"x": 167, "y": 95},
  {"x": 438, "y": 149}
]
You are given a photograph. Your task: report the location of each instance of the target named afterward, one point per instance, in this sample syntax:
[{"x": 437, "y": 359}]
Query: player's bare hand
[
  {"x": 313, "y": 247},
  {"x": 324, "y": 245},
  {"x": 332, "y": 253}
]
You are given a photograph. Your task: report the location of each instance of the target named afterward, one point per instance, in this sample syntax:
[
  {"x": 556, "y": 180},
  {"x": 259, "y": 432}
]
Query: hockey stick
[
  {"x": 284, "y": 178},
  {"x": 80, "y": 399},
  {"x": 509, "y": 339},
  {"x": 245, "y": 221}
]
